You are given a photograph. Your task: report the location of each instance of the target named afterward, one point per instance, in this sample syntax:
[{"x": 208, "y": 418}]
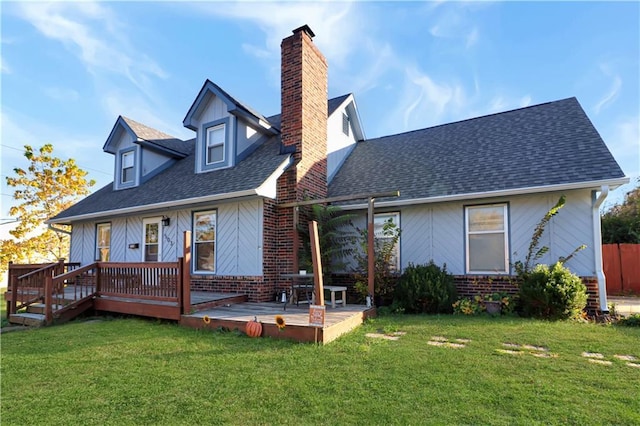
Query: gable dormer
[
  {"x": 226, "y": 130},
  {"x": 344, "y": 129},
  {"x": 140, "y": 152}
]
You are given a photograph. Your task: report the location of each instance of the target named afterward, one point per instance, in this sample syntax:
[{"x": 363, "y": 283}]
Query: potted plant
[{"x": 493, "y": 303}]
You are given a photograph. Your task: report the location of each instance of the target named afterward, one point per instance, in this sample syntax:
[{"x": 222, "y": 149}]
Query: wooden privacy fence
[{"x": 621, "y": 264}]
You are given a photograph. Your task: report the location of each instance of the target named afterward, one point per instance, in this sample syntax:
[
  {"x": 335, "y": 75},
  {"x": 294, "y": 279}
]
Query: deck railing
[
  {"x": 158, "y": 280},
  {"x": 64, "y": 286},
  {"x": 28, "y": 288},
  {"x": 153, "y": 281}
]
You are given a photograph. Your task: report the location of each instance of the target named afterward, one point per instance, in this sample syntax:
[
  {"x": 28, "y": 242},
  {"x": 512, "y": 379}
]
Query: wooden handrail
[
  {"x": 48, "y": 299},
  {"x": 72, "y": 274},
  {"x": 158, "y": 281},
  {"x": 37, "y": 271}
]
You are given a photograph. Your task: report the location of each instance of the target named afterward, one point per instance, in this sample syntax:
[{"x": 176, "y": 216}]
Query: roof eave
[
  {"x": 157, "y": 206},
  {"x": 594, "y": 185},
  {"x": 119, "y": 122},
  {"x": 266, "y": 189}
]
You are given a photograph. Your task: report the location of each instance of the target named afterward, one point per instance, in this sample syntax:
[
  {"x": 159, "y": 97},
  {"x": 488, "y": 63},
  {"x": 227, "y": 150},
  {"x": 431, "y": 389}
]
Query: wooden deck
[
  {"x": 164, "y": 309},
  {"x": 338, "y": 321},
  {"x": 159, "y": 290}
]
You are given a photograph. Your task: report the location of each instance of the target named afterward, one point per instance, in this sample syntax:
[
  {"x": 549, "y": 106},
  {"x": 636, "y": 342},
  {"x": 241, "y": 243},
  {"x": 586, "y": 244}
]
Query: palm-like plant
[{"x": 332, "y": 236}]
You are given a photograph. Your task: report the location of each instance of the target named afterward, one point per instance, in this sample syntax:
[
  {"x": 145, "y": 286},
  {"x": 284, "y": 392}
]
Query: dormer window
[
  {"x": 215, "y": 145},
  {"x": 345, "y": 124},
  {"x": 127, "y": 162},
  {"x": 216, "y": 136}
]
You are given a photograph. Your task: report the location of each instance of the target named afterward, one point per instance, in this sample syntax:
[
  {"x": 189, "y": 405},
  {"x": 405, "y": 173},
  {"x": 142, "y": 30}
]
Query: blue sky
[{"x": 69, "y": 69}]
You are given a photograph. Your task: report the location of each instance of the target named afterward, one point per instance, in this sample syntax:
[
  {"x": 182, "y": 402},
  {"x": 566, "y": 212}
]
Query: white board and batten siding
[
  {"x": 437, "y": 231},
  {"x": 238, "y": 239},
  {"x": 339, "y": 145}
]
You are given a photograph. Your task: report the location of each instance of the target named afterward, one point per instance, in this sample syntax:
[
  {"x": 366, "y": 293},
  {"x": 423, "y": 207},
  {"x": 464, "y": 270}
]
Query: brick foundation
[{"x": 471, "y": 285}]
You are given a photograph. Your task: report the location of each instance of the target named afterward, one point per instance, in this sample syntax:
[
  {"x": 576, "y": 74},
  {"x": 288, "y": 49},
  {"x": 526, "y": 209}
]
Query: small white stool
[{"x": 333, "y": 289}]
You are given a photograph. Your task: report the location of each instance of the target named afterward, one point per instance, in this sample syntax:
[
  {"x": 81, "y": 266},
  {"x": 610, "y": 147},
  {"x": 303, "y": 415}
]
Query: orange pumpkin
[{"x": 253, "y": 328}]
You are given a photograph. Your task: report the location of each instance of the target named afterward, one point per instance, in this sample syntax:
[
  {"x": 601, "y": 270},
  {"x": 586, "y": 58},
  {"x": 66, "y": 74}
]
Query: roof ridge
[
  {"x": 474, "y": 118},
  {"x": 129, "y": 121}
]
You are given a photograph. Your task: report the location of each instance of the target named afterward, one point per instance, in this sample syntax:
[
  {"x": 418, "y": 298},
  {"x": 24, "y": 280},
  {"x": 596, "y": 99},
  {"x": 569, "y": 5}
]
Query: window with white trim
[
  {"x": 204, "y": 241},
  {"x": 384, "y": 233},
  {"x": 487, "y": 242},
  {"x": 216, "y": 136},
  {"x": 127, "y": 165},
  {"x": 103, "y": 242}
]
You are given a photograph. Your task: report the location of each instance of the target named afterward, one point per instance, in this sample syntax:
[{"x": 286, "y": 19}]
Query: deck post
[
  {"x": 59, "y": 270},
  {"x": 48, "y": 299},
  {"x": 186, "y": 273},
  {"x": 98, "y": 277},
  {"x": 179, "y": 284},
  {"x": 294, "y": 248},
  {"x": 371, "y": 267},
  {"x": 317, "y": 263},
  {"x": 11, "y": 308}
]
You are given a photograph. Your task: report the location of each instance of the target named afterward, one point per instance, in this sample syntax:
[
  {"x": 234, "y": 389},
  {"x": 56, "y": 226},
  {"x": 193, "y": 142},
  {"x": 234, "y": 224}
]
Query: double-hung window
[
  {"x": 204, "y": 244},
  {"x": 487, "y": 239},
  {"x": 387, "y": 239},
  {"x": 215, "y": 144},
  {"x": 127, "y": 164},
  {"x": 103, "y": 242}
]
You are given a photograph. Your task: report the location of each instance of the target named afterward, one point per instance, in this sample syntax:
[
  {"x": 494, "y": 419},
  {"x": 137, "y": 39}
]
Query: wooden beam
[
  {"x": 371, "y": 266},
  {"x": 341, "y": 198},
  {"x": 14, "y": 295},
  {"x": 295, "y": 246},
  {"x": 186, "y": 272},
  {"x": 48, "y": 299},
  {"x": 317, "y": 263}
]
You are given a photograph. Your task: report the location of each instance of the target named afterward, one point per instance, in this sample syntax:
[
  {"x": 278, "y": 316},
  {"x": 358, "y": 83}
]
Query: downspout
[
  {"x": 54, "y": 229},
  {"x": 597, "y": 246}
]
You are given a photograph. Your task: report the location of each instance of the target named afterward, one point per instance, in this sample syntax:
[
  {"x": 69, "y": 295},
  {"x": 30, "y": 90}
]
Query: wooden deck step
[
  {"x": 33, "y": 320},
  {"x": 38, "y": 308},
  {"x": 222, "y": 301}
]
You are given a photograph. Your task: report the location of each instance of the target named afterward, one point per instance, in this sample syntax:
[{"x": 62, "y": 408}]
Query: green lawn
[{"x": 131, "y": 371}]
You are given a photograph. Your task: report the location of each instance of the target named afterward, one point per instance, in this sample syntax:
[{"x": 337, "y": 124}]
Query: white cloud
[
  {"x": 4, "y": 68},
  {"x": 431, "y": 97},
  {"x": 92, "y": 33},
  {"x": 472, "y": 37},
  {"x": 624, "y": 143},
  {"x": 338, "y": 26},
  {"x": 140, "y": 109},
  {"x": 62, "y": 94},
  {"x": 19, "y": 130},
  {"x": 525, "y": 101},
  {"x": 610, "y": 96},
  {"x": 456, "y": 23},
  {"x": 256, "y": 51}
]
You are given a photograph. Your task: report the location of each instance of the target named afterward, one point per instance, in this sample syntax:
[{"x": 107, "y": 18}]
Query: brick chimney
[{"x": 304, "y": 114}]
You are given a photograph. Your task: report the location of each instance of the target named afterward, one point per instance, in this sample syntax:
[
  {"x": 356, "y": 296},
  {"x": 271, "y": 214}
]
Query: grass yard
[{"x": 444, "y": 370}]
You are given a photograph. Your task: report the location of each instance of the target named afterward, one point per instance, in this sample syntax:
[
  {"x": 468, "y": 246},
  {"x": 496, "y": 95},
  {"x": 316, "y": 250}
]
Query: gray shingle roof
[
  {"x": 156, "y": 137},
  {"x": 145, "y": 132},
  {"x": 332, "y": 105},
  {"x": 180, "y": 182},
  {"x": 547, "y": 144}
]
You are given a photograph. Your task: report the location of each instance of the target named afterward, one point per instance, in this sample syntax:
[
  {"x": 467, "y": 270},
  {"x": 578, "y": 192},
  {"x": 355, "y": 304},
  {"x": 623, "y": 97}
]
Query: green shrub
[
  {"x": 552, "y": 293},
  {"x": 425, "y": 289},
  {"x": 468, "y": 306},
  {"x": 630, "y": 321}
]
